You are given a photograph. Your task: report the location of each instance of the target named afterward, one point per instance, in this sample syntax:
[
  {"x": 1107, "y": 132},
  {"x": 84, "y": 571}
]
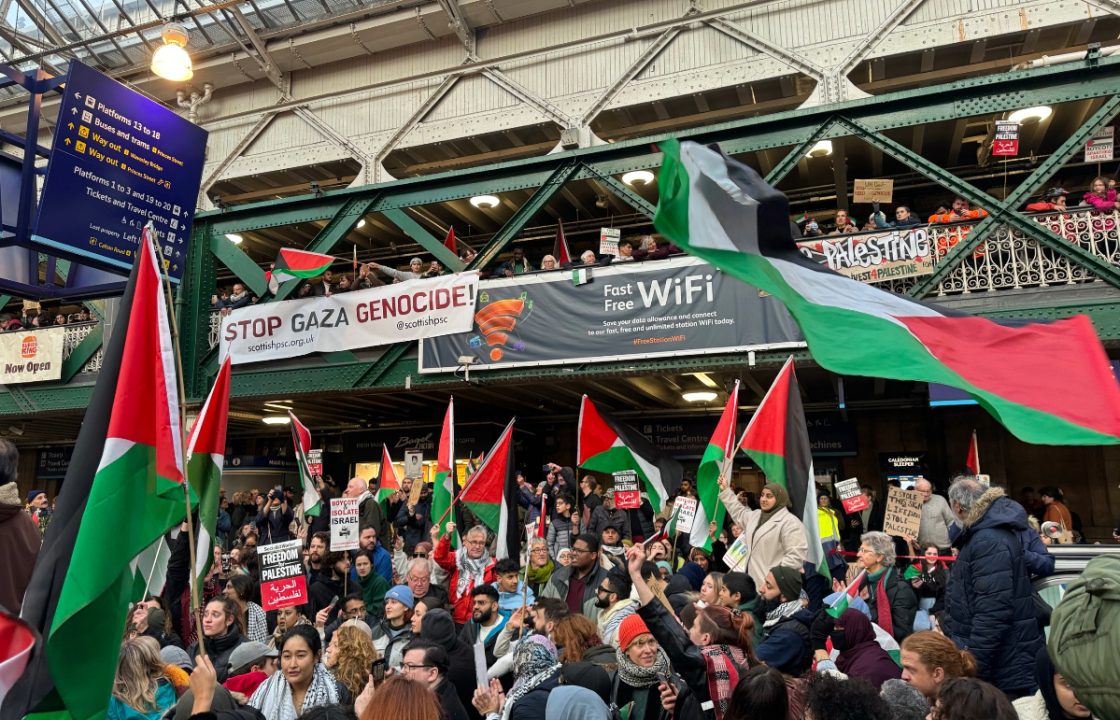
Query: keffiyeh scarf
[
  {"x": 274, "y": 697},
  {"x": 471, "y": 572},
  {"x": 781, "y": 612},
  {"x": 723, "y": 663},
  {"x": 534, "y": 661}
]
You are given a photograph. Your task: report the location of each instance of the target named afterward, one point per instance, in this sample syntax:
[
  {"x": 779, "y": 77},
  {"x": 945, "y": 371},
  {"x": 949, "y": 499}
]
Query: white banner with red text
[{"x": 348, "y": 321}]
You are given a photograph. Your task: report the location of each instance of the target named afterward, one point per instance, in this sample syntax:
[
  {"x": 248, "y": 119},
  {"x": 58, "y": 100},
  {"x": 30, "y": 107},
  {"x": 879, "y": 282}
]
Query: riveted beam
[
  {"x": 647, "y": 56},
  {"x": 335, "y": 230},
  {"x": 417, "y": 232},
  {"x": 199, "y": 283},
  {"x": 243, "y": 266},
  {"x": 786, "y": 165},
  {"x": 620, "y": 189},
  {"x": 559, "y": 177},
  {"x": 373, "y": 375},
  {"x": 82, "y": 352}
]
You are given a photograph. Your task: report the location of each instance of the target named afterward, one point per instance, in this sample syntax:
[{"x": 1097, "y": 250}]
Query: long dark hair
[
  {"x": 971, "y": 699},
  {"x": 761, "y": 693}
]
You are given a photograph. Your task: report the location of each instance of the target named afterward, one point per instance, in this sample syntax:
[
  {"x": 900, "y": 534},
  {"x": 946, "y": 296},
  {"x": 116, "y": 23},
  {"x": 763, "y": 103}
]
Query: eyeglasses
[
  {"x": 579, "y": 551},
  {"x": 408, "y": 667},
  {"x": 476, "y": 542},
  {"x": 603, "y": 590},
  {"x": 420, "y": 555}
]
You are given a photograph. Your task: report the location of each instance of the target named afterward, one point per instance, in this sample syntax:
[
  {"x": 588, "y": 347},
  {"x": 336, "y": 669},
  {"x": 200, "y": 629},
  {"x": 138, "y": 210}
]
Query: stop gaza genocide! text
[{"x": 397, "y": 306}]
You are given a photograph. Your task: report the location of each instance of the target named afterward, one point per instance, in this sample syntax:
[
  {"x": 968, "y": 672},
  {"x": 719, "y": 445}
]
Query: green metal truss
[{"x": 797, "y": 130}]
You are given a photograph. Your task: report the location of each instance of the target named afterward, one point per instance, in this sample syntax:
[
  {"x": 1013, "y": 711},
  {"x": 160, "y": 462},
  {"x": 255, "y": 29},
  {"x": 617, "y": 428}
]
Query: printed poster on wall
[
  {"x": 344, "y": 524},
  {"x": 348, "y": 321},
  {"x": 671, "y": 308},
  {"x": 31, "y": 356},
  {"x": 282, "y": 580}
]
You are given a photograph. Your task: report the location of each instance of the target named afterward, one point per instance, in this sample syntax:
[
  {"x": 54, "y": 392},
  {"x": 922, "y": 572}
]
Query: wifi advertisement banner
[
  {"x": 349, "y": 321},
  {"x": 680, "y": 306}
]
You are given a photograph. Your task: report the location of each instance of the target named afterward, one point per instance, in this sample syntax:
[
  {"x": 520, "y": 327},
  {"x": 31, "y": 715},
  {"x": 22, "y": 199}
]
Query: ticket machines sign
[{"x": 120, "y": 160}]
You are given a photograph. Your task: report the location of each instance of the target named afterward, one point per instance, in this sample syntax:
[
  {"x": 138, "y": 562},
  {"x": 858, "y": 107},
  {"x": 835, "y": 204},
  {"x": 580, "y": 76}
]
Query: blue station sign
[{"x": 119, "y": 160}]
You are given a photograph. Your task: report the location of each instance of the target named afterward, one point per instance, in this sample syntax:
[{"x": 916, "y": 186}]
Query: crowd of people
[
  {"x": 30, "y": 319},
  {"x": 605, "y": 615}
]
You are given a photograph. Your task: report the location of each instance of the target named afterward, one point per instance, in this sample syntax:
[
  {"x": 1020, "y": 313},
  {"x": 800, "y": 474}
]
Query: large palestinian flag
[
  {"x": 206, "y": 450},
  {"x": 606, "y": 445},
  {"x": 491, "y": 494},
  {"x": 716, "y": 462},
  {"x": 301, "y": 443},
  {"x": 1047, "y": 382},
  {"x": 123, "y": 490},
  {"x": 445, "y": 488},
  {"x": 292, "y": 264},
  {"x": 778, "y": 440}
]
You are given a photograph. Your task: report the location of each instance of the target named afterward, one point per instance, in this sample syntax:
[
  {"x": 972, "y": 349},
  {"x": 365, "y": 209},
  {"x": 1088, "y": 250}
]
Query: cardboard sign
[
  {"x": 627, "y": 494},
  {"x": 851, "y": 497},
  {"x": 282, "y": 580},
  {"x": 903, "y": 515},
  {"x": 413, "y": 464},
  {"x": 608, "y": 241},
  {"x": 1100, "y": 148},
  {"x": 685, "y": 508},
  {"x": 414, "y": 492},
  {"x": 873, "y": 190},
  {"x": 315, "y": 463},
  {"x": 344, "y": 524},
  {"x": 1006, "y": 140}
]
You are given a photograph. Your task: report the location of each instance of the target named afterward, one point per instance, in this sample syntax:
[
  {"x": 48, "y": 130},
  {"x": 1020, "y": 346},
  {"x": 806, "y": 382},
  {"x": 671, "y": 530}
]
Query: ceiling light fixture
[
  {"x": 276, "y": 419},
  {"x": 235, "y": 238},
  {"x": 822, "y": 148},
  {"x": 699, "y": 396},
  {"x": 485, "y": 202},
  {"x": 1040, "y": 113},
  {"x": 638, "y": 177},
  {"x": 171, "y": 61},
  {"x": 361, "y": 224}
]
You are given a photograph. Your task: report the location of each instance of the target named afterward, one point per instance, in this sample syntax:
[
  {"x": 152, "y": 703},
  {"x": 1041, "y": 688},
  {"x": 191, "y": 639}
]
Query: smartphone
[
  {"x": 225, "y": 564},
  {"x": 332, "y": 603},
  {"x": 377, "y": 670}
]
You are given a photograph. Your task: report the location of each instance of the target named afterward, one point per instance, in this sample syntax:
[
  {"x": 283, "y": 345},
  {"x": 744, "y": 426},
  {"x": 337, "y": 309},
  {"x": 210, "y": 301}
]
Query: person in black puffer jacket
[
  {"x": 222, "y": 630},
  {"x": 438, "y": 627},
  {"x": 989, "y": 605}
]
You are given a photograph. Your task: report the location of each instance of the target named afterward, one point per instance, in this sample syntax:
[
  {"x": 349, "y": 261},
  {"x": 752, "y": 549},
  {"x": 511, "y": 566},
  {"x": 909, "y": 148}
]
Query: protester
[
  {"x": 711, "y": 588},
  {"x": 830, "y": 698},
  {"x": 468, "y": 566},
  {"x": 774, "y": 535},
  {"x": 393, "y": 631},
  {"x": 971, "y": 699},
  {"x": 141, "y": 690},
  {"x": 240, "y": 589},
  {"x": 328, "y": 587},
  {"x": 578, "y": 583},
  {"x": 860, "y": 656},
  {"x": 904, "y": 701},
  {"x": 1101, "y": 197},
  {"x": 349, "y": 655},
  {"x": 428, "y": 663},
  {"x": 286, "y": 619},
  {"x": 929, "y": 659},
  {"x": 19, "y": 537},
  {"x": 786, "y": 641},
  {"x": 936, "y": 520},
  {"x": 541, "y": 565},
  {"x": 614, "y": 603},
  {"x": 929, "y": 585},
  {"x": 761, "y": 693},
  {"x": 642, "y": 666},
  {"x": 250, "y": 664},
  {"x": 302, "y": 683},
  {"x": 418, "y": 576},
  {"x": 402, "y": 698},
  {"x": 438, "y": 627},
  {"x": 578, "y": 640},
  {"x": 486, "y": 621},
  {"x": 221, "y": 629},
  {"x": 275, "y": 519},
  {"x": 536, "y": 668},
  {"x": 372, "y": 584},
  {"x": 1055, "y": 699},
  {"x": 1054, "y": 508},
  {"x": 892, "y": 601}
]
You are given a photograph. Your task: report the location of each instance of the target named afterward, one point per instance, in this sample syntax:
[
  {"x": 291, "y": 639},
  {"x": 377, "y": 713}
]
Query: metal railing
[{"x": 72, "y": 336}]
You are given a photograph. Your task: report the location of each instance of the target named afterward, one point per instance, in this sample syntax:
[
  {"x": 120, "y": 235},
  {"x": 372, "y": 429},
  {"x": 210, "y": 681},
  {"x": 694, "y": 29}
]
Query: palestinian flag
[
  {"x": 206, "y": 449},
  {"x": 446, "y": 487},
  {"x": 714, "y": 464},
  {"x": 722, "y": 211},
  {"x": 123, "y": 490},
  {"x": 560, "y": 249},
  {"x": 388, "y": 483},
  {"x": 292, "y": 264},
  {"x": 491, "y": 494},
  {"x": 449, "y": 241},
  {"x": 17, "y": 640},
  {"x": 972, "y": 462},
  {"x": 541, "y": 519},
  {"x": 667, "y": 530},
  {"x": 606, "y": 445},
  {"x": 301, "y": 441},
  {"x": 840, "y": 604},
  {"x": 778, "y": 440}
]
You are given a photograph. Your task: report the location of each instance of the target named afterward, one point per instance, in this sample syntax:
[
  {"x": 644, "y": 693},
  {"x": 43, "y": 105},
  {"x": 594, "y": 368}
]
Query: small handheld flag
[{"x": 840, "y": 604}]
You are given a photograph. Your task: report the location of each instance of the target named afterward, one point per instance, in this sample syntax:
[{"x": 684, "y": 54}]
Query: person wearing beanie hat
[
  {"x": 157, "y": 628},
  {"x": 1084, "y": 641},
  {"x": 774, "y": 536},
  {"x": 402, "y": 594},
  {"x": 641, "y": 664},
  {"x": 394, "y": 630},
  {"x": 788, "y": 582},
  {"x": 786, "y": 642}
]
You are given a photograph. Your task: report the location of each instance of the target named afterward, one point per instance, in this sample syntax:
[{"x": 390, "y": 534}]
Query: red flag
[
  {"x": 17, "y": 640},
  {"x": 560, "y": 249},
  {"x": 388, "y": 482},
  {"x": 449, "y": 241},
  {"x": 540, "y": 520},
  {"x": 972, "y": 462}
]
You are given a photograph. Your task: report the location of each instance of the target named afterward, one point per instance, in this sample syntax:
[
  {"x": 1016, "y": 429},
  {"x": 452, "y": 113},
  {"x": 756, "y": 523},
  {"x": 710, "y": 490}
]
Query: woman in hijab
[
  {"x": 1054, "y": 700},
  {"x": 772, "y": 534},
  {"x": 860, "y": 655},
  {"x": 536, "y": 671}
]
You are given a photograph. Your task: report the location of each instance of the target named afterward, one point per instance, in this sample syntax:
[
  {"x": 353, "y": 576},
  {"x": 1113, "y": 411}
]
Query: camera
[{"x": 547, "y": 468}]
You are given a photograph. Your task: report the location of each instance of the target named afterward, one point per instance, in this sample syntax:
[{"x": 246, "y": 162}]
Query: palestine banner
[
  {"x": 122, "y": 492},
  {"x": 714, "y": 465},
  {"x": 722, "y": 211},
  {"x": 491, "y": 494},
  {"x": 778, "y": 440},
  {"x": 206, "y": 450},
  {"x": 383, "y": 315},
  {"x": 608, "y": 446},
  {"x": 295, "y": 264}
]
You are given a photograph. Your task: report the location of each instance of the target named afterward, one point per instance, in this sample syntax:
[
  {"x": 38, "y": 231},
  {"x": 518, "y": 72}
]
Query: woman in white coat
[{"x": 772, "y": 534}]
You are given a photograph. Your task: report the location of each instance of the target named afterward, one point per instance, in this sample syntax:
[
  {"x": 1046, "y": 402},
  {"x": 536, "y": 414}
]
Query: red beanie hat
[{"x": 630, "y": 628}]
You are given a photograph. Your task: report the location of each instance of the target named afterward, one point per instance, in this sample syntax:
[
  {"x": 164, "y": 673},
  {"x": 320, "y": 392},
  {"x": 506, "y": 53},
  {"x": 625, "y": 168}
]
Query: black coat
[
  {"x": 218, "y": 650},
  {"x": 449, "y": 702},
  {"x": 904, "y": 604},
  {"x": 438, "y": 627},
  {"x": 413, "y": 526},
  {"x": 989, "y": 602}
]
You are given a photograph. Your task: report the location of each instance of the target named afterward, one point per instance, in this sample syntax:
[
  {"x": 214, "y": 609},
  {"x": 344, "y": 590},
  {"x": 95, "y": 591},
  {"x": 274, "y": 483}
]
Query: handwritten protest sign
[
  {"x": 627, "y": 496},
  {"x": 851, "y": 497},
  {"x": 903, "y": 513},
  {"x": 686, "y": 513},
  {"x": 282, "y": 580},
  {"x": 344, "y": 524},
  {"x": 871, "y": 190}
]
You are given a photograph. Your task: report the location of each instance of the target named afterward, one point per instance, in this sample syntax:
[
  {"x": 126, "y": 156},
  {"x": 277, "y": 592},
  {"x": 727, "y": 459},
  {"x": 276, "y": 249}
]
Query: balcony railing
[
  {"x": 73, "y": 335},
  {"x": 1006, "y": 260}
]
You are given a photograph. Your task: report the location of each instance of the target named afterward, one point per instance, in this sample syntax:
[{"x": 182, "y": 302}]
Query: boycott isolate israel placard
[
  {"x": 873, "y": 257},
  {"x": 348, "y": 321},
  {"x": 680, "y": 306}
]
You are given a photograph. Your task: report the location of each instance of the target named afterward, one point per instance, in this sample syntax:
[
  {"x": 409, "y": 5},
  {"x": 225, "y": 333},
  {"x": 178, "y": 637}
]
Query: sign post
[
  {"x": 282, "y": 580},
  {"x": 344, "y": 524},
  {"x": 627, "y": 495},
  {"x": 315, "y": 463},
  {"x": 873, "y": 190}
]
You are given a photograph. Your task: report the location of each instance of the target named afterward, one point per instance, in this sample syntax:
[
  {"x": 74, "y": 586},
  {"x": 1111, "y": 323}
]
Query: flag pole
[
  {"x": 976, "y": 447},
  {"x": 191, "y": 547}
]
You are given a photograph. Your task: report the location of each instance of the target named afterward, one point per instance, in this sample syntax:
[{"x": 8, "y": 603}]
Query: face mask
[{"x": 839, "y": 641}]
